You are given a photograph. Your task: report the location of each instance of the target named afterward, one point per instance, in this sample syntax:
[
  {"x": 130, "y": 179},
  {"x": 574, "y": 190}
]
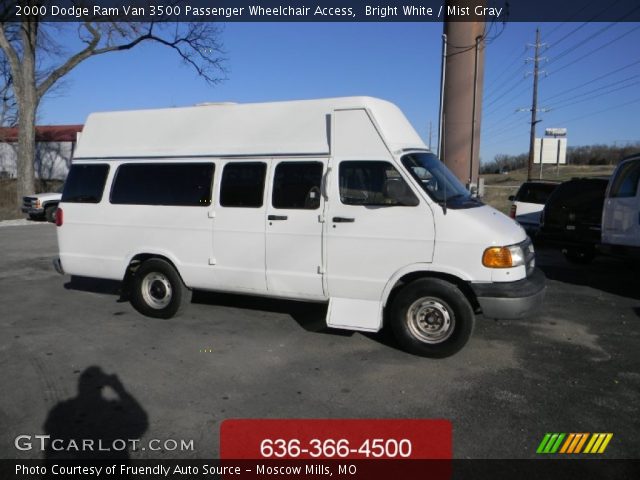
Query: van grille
[
  {"x": 28, "y": 202},
  {"x": 529, "y": 256}
]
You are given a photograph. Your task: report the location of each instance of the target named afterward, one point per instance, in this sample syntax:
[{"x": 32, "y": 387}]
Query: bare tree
[
  {"x": 37, "y": 62},
  {"x": 8, "y": 107}
]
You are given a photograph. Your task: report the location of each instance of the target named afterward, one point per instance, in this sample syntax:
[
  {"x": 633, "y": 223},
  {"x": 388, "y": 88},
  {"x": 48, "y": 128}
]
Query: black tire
[
  {"x": 431, "y": 318},
  {"x": 157, "y": 290},
  {"x": 50, "y": 213},
  {"x": 580, "y": 256}
]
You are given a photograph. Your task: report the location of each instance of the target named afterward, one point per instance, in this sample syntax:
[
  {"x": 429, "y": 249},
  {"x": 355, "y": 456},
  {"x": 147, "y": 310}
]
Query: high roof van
[{"x": 332, "y": 200}]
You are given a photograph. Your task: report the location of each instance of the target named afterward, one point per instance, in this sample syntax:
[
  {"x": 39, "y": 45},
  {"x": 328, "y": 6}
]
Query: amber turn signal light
[{"x": 497, "y": 257}]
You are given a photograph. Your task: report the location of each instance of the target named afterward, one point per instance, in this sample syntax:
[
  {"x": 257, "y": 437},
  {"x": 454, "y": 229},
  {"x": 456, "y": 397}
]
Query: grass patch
[{"x": 498, "y": 187}]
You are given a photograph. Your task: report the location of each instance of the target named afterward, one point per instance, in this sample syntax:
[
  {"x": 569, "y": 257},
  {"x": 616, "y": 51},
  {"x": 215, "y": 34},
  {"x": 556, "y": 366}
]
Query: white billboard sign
[{"x": 554, "y": 151}]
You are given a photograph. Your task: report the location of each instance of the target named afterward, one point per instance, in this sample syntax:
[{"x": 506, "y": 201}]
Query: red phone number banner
[{"x": 335, "y": 439}]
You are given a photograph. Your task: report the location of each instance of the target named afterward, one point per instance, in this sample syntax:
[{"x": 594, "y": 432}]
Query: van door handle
[
  {"x": 277, "y": 217},
  {"x": 343, "y": 220}
]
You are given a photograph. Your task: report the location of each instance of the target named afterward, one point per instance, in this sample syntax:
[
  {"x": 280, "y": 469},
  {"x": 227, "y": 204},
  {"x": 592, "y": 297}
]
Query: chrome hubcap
[
  {"x": 430, "y": 320},
  {"x": 156, "y": 290}
]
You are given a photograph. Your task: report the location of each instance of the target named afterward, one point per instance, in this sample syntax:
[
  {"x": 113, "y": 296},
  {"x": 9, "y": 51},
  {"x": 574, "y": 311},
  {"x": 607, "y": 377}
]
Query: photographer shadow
[{"x": 97, "y": 425}]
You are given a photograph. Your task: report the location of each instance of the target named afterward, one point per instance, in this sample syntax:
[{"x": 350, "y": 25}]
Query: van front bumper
[{"x": 511, "y": 300}]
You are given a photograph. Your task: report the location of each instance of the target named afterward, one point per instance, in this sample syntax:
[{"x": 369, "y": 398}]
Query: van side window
[
  {"x": 296, "y": 185},
  {"x": 374, "y": 184},
  {"x": 626, "y": 182},
  {"x": 175, "y": 184},
  {"x": 85, "y": 183},
  {"x": 243, "y": 184}
]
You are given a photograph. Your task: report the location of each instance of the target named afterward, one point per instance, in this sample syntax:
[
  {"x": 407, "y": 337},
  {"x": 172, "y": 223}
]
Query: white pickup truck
[{"x": 42, "y": 205}]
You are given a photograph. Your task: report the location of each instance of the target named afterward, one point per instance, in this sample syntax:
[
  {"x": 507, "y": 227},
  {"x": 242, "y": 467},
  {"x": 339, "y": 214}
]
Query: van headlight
[{"x": 503, "y": 257}]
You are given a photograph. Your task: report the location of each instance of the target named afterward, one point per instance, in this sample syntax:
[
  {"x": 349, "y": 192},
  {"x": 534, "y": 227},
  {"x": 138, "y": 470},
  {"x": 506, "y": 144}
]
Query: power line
[
  {"x": 507, "y": 68},
  {"x": 620, "y": 105},
  {"x": 573, "y": 48},
  {"x": 507, "y": 129},
  {"x": 498, "y": 88},
  {"x": 498, "y": 101},
  {"x": 598, "y": 49},
  {"x": 500, "y": 122},
  {"x": 574, "y": 88},
  {"x": 578, "y": 12},
  {"x": 599, "y": 95},
  {"x": 579, "y": 27},
  {"x": 494, "y": 139}
]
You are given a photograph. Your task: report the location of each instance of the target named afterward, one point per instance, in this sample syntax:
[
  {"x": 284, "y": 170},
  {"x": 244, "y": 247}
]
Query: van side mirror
[{"x": 512, "y": 197}]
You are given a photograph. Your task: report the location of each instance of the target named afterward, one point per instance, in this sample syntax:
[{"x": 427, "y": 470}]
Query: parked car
[
  {"x": 528, "y": 204},
  {"x": 621, "y": 214},
  {"x": 572, "y": 218},
  {"x": 331, "y": 200},
  {"x": 42, "y": 205}
]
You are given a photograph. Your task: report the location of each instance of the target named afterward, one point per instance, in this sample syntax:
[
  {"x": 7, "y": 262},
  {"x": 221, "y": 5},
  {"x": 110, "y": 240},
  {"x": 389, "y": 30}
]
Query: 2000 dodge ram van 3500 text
[{"x": 333, "y": 200}]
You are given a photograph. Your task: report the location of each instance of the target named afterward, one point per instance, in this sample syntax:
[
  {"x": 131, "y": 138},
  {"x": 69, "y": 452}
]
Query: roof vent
[{"x": 209, "y": 104}]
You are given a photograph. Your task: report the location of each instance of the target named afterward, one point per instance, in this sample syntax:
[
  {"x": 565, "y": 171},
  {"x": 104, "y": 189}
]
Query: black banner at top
[{"x": 323, "y": 10}]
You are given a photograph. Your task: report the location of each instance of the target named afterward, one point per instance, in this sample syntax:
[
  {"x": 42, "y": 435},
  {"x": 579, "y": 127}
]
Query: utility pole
[
  {"x": 534, "y": 104},
  {"x": 462, "y": 93}
]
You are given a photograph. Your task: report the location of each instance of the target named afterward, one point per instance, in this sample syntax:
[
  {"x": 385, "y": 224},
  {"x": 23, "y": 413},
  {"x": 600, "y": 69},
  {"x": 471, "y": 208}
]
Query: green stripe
[
  {"x": 558, "y": 442},
  {"x": 550, "y": 443},
  {"x": 543, "y": 443}
]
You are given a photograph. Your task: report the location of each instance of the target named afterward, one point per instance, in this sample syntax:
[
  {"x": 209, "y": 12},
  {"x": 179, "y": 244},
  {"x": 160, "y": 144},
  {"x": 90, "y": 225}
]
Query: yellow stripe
[
  {"x": 575, "y": 442},
  {"x": 590, "y": 444},
  {"x": 567, "y": 442},
  {"x": 595, "y": 447},
  {"x": 606, "y": 442},
  {"x": 584, "y": 439}
]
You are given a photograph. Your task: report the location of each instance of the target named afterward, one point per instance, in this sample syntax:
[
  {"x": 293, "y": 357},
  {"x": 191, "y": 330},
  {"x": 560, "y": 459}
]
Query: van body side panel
[
  {"x": 295, "y": 208},
  {"x": 99, "y": 240},
  {"x": 182, "y": 234},
  {"x": 238, "y": 241},
  {"x": 464, "y": 234},
  {"x": 86, "y": 245},
  {"x": 365, "y": 243}
]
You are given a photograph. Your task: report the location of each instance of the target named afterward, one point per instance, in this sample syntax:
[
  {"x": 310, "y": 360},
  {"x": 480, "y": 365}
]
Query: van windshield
[{"x": 438, "y": 181}]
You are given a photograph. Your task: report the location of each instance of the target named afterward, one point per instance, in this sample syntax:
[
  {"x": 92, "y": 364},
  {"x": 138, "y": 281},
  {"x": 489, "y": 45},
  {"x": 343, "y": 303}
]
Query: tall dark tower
[{"x": 462, "y": 102}]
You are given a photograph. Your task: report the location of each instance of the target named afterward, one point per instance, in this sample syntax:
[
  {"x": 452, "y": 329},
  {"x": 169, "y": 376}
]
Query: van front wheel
[
  {"x": 158, "y": 290},
  {"x": 432, "y": 318}
]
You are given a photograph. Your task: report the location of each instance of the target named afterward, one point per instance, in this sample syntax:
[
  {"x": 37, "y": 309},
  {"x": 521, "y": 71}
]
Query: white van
[
  {"x": 621, "y": 213},
  {"x": 333, "y": 200}
]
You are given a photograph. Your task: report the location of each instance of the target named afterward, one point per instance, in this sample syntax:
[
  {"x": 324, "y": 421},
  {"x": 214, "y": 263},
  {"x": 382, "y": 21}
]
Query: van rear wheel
[
  {"x": 432, "y": 318},
  {"x": 158, "y": 290}
]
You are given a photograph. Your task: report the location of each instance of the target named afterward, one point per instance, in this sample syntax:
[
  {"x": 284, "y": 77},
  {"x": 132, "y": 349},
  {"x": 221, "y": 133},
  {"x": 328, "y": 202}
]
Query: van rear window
[
  {"x": 174, "y": 184},
  {"x": 85, "y": 183}
]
